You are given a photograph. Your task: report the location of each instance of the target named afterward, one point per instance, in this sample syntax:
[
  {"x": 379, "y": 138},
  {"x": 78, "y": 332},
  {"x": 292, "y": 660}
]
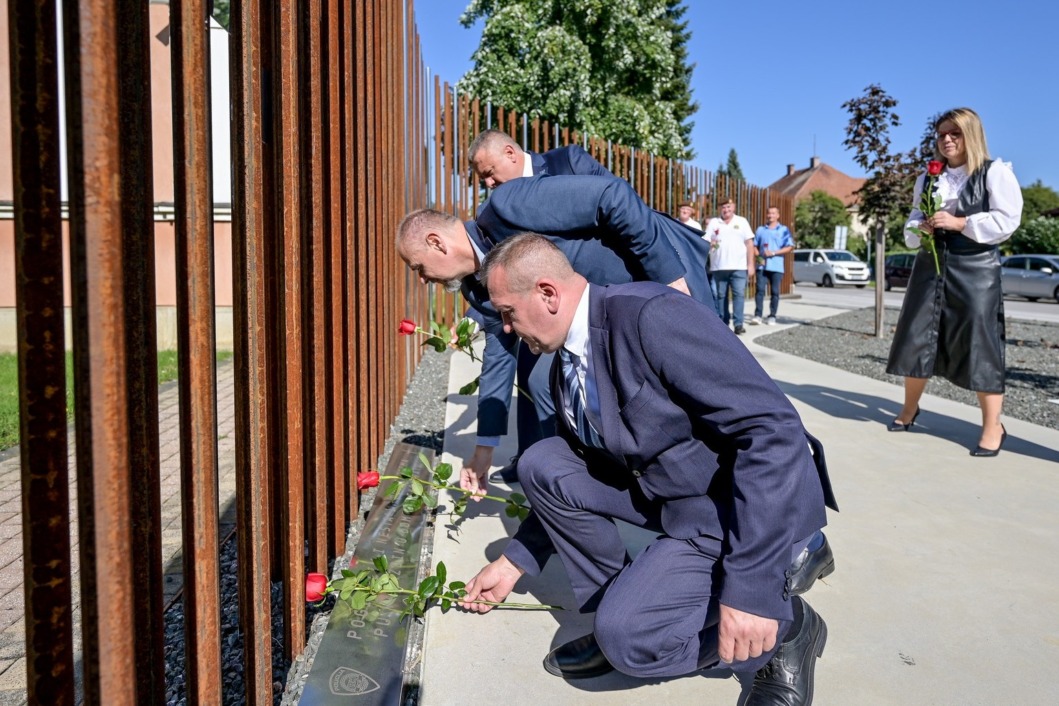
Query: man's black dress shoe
[
  {"x": 507, "y": 474},
  {"x": 578, "y": 659},
  {"x": 982, "y": 451},
  {"x": 898, "y": 426},
  {"x": 810, "y": 566},
  {"x": 787, "y": 679}
]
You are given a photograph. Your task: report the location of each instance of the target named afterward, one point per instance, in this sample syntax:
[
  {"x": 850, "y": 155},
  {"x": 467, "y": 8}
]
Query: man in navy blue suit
[
  {"x": 713, "y": 458},
  {"x": 497, "y": 159},
  {"x": 601, "y": 224}
]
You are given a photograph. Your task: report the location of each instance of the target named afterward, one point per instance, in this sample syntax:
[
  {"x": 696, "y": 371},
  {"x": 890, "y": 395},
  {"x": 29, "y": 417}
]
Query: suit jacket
[
  {"x": 606, "y": 231},
  {"x": 571, "y": 159},
  {"x": 689, "y": 413}
]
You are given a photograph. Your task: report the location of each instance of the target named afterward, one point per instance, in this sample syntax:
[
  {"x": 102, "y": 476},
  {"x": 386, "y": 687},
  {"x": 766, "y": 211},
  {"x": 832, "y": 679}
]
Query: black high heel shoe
[
  {"x": 898, "y": 426},
  {"x": 982, "y": 451}
]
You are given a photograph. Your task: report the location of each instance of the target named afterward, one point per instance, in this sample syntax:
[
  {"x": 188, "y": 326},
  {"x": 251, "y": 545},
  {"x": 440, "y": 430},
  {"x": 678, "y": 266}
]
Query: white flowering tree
[{"x": 612, "y": 68}]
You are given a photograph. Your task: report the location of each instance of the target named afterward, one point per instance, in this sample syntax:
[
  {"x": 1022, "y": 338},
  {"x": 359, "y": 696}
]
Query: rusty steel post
[
  {"x": 46, "y": 567},
  {"x": 290, "y": 480},
  {"x": 319, "y": 417},
  {"x": 108, "y": 73},
  {"x": 253, "y": 398},
  {"x": 336, "y": 484},
  {"x": 196, "y": 346}
]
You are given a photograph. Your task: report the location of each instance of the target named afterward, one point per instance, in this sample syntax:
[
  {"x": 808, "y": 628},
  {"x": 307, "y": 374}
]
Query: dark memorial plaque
[{"x": 361, "y": 656}]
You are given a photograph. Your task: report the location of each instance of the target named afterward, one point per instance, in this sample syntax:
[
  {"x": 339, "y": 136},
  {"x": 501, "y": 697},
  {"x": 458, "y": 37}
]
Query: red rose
[
  {"x": 315, "y": 585},
  {"x": 368, "y": 479},
  {"x": 407, "y": 327},
  {"x": 934, "y": 167}
]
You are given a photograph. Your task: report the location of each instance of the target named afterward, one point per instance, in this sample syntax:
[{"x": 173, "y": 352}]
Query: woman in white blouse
[{"x": 952, "y": 321}]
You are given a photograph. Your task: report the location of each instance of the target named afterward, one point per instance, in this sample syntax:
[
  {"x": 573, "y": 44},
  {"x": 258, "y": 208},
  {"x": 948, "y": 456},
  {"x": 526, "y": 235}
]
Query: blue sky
[{"x": 772, "y": 76}]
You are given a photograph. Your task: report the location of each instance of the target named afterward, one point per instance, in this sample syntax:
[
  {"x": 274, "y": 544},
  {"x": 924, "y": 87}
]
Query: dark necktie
[{"x": 584, "y": 430}]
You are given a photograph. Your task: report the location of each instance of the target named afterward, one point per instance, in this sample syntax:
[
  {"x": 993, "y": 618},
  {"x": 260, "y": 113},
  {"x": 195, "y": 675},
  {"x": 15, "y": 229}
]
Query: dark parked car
[
  {"x": 1031, "y": 276},
  {"x": 899, "y": 269}
]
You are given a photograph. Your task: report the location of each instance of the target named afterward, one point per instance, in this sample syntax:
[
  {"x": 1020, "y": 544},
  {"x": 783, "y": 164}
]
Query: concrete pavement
[{"x": 945, "y": 586}]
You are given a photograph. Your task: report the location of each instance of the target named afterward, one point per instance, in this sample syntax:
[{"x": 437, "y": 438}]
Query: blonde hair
[{"x": 974, "y": 143}]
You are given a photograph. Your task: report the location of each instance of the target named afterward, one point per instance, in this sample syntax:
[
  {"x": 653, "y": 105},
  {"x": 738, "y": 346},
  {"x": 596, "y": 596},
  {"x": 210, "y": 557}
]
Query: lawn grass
[{"x": 167, "y": 371}]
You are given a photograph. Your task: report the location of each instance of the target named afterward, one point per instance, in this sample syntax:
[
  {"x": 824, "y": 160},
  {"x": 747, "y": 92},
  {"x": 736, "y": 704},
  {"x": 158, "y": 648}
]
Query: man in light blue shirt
[{"x": 772, "y": 242}]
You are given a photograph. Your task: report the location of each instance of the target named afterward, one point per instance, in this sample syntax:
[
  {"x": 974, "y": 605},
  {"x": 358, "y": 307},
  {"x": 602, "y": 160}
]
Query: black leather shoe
[
  {"x": 810, "y": 566},
  {"x": 787, "y": 679},
  {"x": 898, "y": 426},
  {"x": 982, "y": 451},
  {"x": 507, "y": 474},
  {"x": 578, "y": 659}
]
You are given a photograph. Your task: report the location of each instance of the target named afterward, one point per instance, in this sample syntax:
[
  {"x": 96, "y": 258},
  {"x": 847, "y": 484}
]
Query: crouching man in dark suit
[{"x": 714, "y": 458}]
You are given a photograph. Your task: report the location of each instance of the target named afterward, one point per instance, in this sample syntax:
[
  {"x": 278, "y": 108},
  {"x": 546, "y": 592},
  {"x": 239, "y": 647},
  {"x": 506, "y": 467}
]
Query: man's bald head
[{"x": 435, "y": 247}]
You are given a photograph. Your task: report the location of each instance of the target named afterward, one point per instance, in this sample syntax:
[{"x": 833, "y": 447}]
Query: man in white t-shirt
[{"x": 731, "y": 261}]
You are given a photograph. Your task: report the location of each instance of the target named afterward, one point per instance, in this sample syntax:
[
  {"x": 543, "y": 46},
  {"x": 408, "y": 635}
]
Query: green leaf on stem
[
  {"x": 392, "y": 490},
  {"x": 417, "y": 487},
  {"x": 511, "y": 510},
  {"x": 406, "y": 471},
  {"x": 346, "y": 573},
  {"x": 429, "y": 585},
  {"x": 381, "y": 562},
  {"x": 443, "y": 472},
  {"x": 523, "y": 512},
  {"x": 430, "y": 500},
  {"x": 442, "y": 573},
  {"x": 470, "y": 388},
  {"x": 436, "y": 327},
  {"x": 517, "y": 498},
  {"x": 411, "y": 505},
  {"x": 457, "y": 586},
  {"x": 445, "y": 604},
  {"x": 439, "y": 343},
  {"x": 359, "y": 600}
]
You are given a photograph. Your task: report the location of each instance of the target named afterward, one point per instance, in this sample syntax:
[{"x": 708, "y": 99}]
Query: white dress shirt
[
  {"x": 989, "y": 227},
  {"x": 578, "y": 344}
]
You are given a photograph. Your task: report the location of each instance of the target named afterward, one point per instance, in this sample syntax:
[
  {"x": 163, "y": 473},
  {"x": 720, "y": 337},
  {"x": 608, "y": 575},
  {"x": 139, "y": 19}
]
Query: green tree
[
  {"x": 887, "y": 193},
  {"x": 222, "y": 10},
  {"x": 732, "y": 168},
  {"x": 1036, "y": 199},
  {"x": 1040, "y": 235},
  {"x": 815, "y": 219},
  {"x": 613, "y": 69}
]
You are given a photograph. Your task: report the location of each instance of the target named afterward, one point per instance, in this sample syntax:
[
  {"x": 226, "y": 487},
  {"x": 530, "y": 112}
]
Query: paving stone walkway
[{"x": 12, "y": 617}]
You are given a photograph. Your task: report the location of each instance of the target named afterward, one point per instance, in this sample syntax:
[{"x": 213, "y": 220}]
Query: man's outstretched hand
[
  {"x": 492, "y": 583},
  {"x": 475, "y": 471}
]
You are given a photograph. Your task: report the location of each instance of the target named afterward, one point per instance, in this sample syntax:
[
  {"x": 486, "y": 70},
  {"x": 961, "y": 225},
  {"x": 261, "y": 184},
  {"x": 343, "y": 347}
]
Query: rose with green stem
[
  {"x": 419, "y": 495},
  {"x": 368, "y": 585},
  {"x": 462, "y": 338},
  {"x": 929, "y": 204}
]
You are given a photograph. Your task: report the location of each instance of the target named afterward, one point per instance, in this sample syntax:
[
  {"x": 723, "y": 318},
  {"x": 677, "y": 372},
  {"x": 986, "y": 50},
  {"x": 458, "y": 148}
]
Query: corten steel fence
[
  {"x": 327, "y": 108},
  {"x": 335, "y": 135}
]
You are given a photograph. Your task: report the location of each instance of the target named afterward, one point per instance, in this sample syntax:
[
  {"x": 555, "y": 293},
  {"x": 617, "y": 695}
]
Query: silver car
[
  {"x": 826, "y": 267},
  {"x": 1031, "y": 276}
]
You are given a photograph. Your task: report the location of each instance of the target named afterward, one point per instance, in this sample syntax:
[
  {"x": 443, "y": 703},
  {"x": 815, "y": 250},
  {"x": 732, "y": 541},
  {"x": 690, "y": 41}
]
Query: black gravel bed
[
  {"x": 847, "y": 341},
  {"x": 421, "y": 421}
]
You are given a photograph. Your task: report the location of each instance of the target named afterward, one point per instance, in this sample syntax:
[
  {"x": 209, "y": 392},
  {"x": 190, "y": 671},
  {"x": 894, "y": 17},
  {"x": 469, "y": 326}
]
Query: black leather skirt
[{"x": 952, "y": 325}]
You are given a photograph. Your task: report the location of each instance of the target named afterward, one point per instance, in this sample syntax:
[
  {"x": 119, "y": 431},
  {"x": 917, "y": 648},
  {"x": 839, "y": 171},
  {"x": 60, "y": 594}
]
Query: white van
[{"x": 826, "y": 268}]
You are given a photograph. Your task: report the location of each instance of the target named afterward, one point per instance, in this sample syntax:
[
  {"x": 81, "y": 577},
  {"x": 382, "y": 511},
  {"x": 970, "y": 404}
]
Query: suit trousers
[
  {"x": 534, "y": 411},
  {"x": 657, "y": 614}
]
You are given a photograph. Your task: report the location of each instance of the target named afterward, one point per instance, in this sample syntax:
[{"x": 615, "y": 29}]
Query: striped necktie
[{"x": 574, "y": 395}]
